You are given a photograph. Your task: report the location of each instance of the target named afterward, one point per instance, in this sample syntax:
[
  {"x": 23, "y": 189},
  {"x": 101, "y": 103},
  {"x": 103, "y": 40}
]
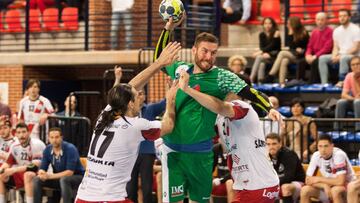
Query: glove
[{"x": 217, "y": 181}]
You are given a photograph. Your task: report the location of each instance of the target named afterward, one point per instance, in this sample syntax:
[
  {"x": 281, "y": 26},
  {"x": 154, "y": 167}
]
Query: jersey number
[
  {"x": 24, "y": 156},
  {"x": 104, "y": 145}
]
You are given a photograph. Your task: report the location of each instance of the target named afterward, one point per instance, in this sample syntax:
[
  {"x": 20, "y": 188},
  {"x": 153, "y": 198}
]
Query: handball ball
[{"x": 171, "y": 8}]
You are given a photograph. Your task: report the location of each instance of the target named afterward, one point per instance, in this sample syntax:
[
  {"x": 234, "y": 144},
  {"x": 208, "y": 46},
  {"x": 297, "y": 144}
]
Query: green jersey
[{"x": 195, "y": 123}]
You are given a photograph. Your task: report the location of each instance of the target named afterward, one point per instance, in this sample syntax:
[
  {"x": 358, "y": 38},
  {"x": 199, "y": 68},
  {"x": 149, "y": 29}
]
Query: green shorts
[{"x": 186, "y": 173}]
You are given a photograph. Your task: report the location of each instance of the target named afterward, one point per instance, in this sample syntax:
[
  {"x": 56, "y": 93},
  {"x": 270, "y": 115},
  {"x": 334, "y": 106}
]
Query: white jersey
[
  {"x": 5, "y": 147},
  {"x": 22, "y": 156},
  {"x": 244, "y": 139},
  {"x": 112, "y": 156},
  {"x": 31, "y": 111},
  {"x": 338, "y": 164}
]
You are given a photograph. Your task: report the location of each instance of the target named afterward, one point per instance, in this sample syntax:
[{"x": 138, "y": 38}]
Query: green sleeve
[{"x": 229, "y": 82}]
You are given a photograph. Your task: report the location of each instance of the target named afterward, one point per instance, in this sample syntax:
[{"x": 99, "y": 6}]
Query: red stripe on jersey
[
  {"x": 240, "y": 112},
  {"x": 11, "y": 160},
  {"x": 30, "y": 127},
  {"x": 39, "y": 107},
  {"x": 229, "y": 162},
  {"x": 151, "y": 134}
]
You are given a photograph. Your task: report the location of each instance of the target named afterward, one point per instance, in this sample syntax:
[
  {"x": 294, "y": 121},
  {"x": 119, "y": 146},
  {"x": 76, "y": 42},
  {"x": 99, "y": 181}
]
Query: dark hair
[
  {"x": 273, "y": 136},
  {"x": 325, "y": 137},
  {"x": 299, "y": 31},
  {"x": 274, "y": 27},
  {"x": 205, "y": 37},
  {"x": 55, "y": 129},
  {"x": 22, "y": 125},
  {"x": 298, "y": 100},
  {"x": 345, "y": 10},
  {"x": 118, "y": 98},
  {"x": 31, "y": 82},
  {"x": 353, "y": 58}
]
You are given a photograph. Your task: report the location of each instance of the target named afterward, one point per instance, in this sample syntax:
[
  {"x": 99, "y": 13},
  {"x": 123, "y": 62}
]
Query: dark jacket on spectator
[{"x": 272, "y": 46}]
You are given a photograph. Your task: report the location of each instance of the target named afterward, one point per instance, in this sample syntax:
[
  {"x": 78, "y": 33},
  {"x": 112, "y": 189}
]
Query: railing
[
  {"x": 61, "y": 30},
  {"x": 76, "y": 130},
  {"x": 343, "y": 132}
]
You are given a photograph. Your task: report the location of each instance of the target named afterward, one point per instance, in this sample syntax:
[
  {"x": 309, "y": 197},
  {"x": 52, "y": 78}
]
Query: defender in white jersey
[
  {"x": 239, "y": 127},
  {"x": 25, "y": 155},
  {"x": 115, "y": 144},
  {"x": 33, "y": 109},
  {"x": 336, "y": 171},
  {"x": 6, "y": 139}
]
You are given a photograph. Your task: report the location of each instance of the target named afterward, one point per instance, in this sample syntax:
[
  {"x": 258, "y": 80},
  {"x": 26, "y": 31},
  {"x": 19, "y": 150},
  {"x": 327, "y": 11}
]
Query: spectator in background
[
  {"x": 23, "y": 160},
  {"x": 237, "y": 64},
  {"x": 270, "y": 46},
  {"x": 297, "y": 40},
  {"x": 121, "y": 12},
  {"x": 70, "y": 107},
  {"x": 5, "y": 3},
  {"x": 42, "y": 4},
  {"x": 146, "y": 157},
  {"x": 67, "y": 169},
  {"x": 346, "y": 44},
  {"x": 292, "y": 133},
  {"x": 236, "y": 10},
  {"x": 5, "y": 110},
  {"x": 34, "y": 109},
  {"x": 350, "y": 95},
  {"x": 222, "y": 183},
  {"x": 288, "y": 167},
  {"x": 336, "y": 172},
  {"x": 320, "y": 43}
]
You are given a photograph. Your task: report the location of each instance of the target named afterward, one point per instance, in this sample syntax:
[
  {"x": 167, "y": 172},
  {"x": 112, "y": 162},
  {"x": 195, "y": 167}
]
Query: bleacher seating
[
  {"x": 70, "y": 18},
  {"x": 297, "y": 8},
  {"x": 271, "y": 8},
  {"x": 34, "y": 20},
  {"x": 51, "y": 19},
  {"x": 313, "y": 88},
  {"x": 13, "y": 21}
]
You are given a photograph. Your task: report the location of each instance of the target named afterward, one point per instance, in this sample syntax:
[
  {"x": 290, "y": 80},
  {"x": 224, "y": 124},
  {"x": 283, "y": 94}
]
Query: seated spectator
[
  {"x": 320, "y": 43},
  {"x": 236, "y": 10},
  {"x": 41, "y": 4},
  {"x": 350, "y": 95},
  {"x": 222, "y": 183},
  {"x": 5, "y": 3},
  {"x": 292, "y": 133},
  {"x": 4, "y": 110},
  {"x": 297, "y": 40},
  {"x": 336, "y": 173},
  {"x": 70, "y": 107},
  {"x": 67, "y": 169},
  {"x": 270, "y": 46},
  {"x": 237, "y": 65},
  {"x": 34, "y": 108},
  {"x": 346, "y": 44},
  {"x": 6, "y": 140},
  {"x": 288, "y": 167},
  {"x": 22, "y": 163}
]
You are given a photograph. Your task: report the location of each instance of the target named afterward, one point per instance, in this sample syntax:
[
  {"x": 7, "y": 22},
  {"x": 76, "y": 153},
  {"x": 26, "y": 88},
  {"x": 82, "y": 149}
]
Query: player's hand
[
  {"x": 43, "y": 119},
  {"x": 171, "y": 93},
  {"x": 229, "y": 10},
  {"x": 327, "y": 191},
  {"x": 216, "y": 181},
  {"x": 274, "y": 115},
  {"x": 43, "y": 175},
  {"x": 118, "y": 72},
  {"x": 170, "y": 25},
  {"x": 266, "y": 55},
  {"x": 169, "y": 55},
  {"x": 184, "y": 80}
]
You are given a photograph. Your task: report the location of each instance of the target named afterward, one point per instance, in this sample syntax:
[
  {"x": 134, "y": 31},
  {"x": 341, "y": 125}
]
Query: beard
[{"x": 204, "y": 68}]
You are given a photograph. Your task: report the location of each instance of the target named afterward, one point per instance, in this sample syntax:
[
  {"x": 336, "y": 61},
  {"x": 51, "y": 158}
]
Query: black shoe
[{"x": 268, "y": 79}]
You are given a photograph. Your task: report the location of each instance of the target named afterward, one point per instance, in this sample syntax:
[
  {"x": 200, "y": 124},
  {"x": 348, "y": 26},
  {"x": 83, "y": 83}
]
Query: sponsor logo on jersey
[
  {"x": 182, "y": 67},
  {"x": 270, "y": 195},
  {"x": 100, "y": 161},
  {"x": 177, "y": 190},
  {"x": 125, "y": 126},
  {"x": 241, "y": 168},
  {"x": 260, "y": 143}
]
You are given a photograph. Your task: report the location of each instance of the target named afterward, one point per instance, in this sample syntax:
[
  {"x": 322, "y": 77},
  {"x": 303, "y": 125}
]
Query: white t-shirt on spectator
[
  {"x": 346, "y": 38},
  {"x": 121, "y": 5}
]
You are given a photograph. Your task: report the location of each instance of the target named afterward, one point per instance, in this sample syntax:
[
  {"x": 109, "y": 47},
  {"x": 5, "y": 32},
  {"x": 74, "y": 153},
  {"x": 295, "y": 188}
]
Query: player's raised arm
[
  {"x": 167, "y": 57},
  {"x": 168, "y": 121},
  {"x": 165, "y": 35},
  {"x": 212, "y": 103}
]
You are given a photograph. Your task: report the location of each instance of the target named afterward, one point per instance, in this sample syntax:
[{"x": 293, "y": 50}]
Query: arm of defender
[
  {"x": 118, "y": 75},
  {"x": 212, "y": 103},
  {"x": 168, "y": 121}
]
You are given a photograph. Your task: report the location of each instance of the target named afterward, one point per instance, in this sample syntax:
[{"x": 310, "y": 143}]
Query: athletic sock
[
  {"x": 29, "y": 199},
  {"x": 2, "y": 198}
]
